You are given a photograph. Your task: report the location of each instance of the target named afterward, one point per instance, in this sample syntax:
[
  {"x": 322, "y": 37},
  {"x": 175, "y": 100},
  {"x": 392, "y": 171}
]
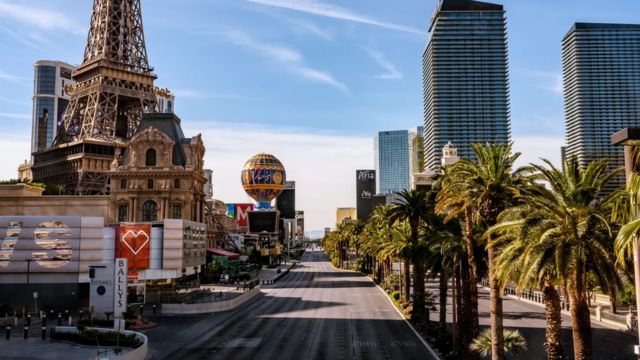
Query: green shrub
[
  {"x": 395, "y": 295},
  {"x": 514, "y": 342},
  {"x": 391, "y": 282}
]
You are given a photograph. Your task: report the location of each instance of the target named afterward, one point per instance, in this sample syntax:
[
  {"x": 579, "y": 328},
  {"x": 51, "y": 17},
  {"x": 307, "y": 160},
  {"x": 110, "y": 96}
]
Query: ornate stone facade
[{"x": 160, "y": 176}]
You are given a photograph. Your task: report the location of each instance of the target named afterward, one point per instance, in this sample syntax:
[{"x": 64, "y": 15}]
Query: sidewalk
[{"x": 270, "y": 276}]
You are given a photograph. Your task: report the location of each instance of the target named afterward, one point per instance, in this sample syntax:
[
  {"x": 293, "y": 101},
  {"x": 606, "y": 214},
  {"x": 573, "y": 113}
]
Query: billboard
[
  {"x": 286, "y": 201},
  {"x": 365, "y": 189},
  {"x": 300, "y": 224},
  {"x": 44, "y": 244},
  {"x": 133, "y": 242},
  {"x": 231, "y": 210},
  {"x": 260, "y": 221},
  {"x": 242, "y": 211}
]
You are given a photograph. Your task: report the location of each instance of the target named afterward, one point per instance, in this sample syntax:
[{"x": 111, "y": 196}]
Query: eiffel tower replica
[{"x": 115, "y": 86}]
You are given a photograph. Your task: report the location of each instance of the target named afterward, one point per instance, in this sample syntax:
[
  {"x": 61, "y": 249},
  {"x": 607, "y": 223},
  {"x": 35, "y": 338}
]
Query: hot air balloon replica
[{"x": 263, "y": 178}]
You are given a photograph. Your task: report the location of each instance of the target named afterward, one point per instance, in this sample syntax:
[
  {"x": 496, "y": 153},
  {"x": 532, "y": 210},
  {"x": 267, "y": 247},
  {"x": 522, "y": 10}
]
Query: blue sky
[{"x": 308, "y": 80}]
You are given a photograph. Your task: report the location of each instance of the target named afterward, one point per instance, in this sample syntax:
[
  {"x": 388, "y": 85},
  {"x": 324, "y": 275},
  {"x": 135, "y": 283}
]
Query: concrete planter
[
  {"x": 139, "y": 353},
  {"x": 204, "y": 308}
]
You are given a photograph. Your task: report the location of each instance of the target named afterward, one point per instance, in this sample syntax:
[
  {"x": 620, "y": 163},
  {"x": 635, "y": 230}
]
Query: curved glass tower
[
  {"x": 601, "y": 70},
  {"x": 466, "y": 80}
]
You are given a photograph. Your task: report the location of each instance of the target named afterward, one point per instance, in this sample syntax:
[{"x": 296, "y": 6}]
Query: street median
[{"x": 211, "y": 307}]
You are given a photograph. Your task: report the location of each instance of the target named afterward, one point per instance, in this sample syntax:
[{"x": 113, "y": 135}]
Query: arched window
[
  {"x": 149, "y": 211},
  {"x": 151, "y": 157}
]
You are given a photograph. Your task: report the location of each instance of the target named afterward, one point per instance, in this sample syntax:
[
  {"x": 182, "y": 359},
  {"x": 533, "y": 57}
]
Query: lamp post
[
  {"x": 630, "y": 138},
  {"x": 28, "y": 284}
]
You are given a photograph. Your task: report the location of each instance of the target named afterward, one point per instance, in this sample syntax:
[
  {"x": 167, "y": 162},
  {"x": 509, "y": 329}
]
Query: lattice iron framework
[
  {"x": 115, "y": 81},
  {"x": 114, "y": 87}
]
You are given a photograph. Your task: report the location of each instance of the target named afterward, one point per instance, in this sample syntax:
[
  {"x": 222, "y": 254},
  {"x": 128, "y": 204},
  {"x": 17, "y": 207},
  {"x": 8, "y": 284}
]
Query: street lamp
[
  {"x": 28, "y": 285},
  {"x": 630, "y": 138}
]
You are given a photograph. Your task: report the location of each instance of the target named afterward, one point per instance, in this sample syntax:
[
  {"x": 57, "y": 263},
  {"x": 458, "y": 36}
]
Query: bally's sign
[{"x": 120, "y": 288}]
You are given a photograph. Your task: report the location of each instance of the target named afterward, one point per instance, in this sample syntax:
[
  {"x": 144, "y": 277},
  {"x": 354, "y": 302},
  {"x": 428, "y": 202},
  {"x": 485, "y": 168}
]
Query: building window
[
  {"x": 177, "y": 211},
  {"x": 176, "y": 183},
  {"x": 123, "y": 212},
  {"x": 149, "y": 211},
  {"x": 150, "y": 184},
  {"x": 123, "y": 184},
  {"x": 46, "y": 80},
  {"x": 151, "y": 157}
]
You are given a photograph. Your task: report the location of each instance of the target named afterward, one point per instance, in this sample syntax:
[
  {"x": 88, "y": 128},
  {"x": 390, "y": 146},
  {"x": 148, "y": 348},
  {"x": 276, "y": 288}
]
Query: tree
[
  {"x": 514, "y": 342},
  {"x": 412, "y": 207},
  {"x": 461, "y": 208},
  {"x": 575, "y": 238},
  {"x": 488, "y": 186},
  {"x": 446, "y": 251},
  {"x": 520, "y": 235}
]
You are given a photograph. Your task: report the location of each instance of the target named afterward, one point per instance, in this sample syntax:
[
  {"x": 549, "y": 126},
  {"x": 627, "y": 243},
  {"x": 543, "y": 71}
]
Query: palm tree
[
  {"x": 398, "y": 248},
  {"x": 379, "y": 229},
  {"x": 412, "y": 207},
  {"x": 488, "y": 187},
  {"x": 459, "y": 207},
  {"x": 520, "y": 236},
  {"x": 446, "y": 251},
  {"x": 514, "y": 342},
  {"x": 575, "y": 239}
]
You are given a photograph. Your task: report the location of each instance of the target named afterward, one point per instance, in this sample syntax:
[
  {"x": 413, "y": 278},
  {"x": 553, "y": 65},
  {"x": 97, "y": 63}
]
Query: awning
[{"x": 221, "y": 252}]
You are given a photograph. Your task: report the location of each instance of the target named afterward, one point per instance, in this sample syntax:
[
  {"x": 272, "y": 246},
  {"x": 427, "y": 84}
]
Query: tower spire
[
  {"x": 116, "y": 34},
  {"x": 115, "y": 86},
  {"x": 115, "y": 81}
]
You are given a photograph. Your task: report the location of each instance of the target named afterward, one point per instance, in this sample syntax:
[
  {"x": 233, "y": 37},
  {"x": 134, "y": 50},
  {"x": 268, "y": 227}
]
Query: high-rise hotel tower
[
  {"x": 601, "y": 70},
  {"x": 466, "y": 81}
]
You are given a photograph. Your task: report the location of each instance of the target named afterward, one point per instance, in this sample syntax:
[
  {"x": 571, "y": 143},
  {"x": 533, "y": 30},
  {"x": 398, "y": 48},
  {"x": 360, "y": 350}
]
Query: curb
[
  {"x": 422, "y": 340},
  {"x": 278, "y": 277}
]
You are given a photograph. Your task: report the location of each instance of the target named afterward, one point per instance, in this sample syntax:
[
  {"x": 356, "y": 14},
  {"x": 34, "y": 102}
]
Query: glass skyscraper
[
  {"x": 50, "y": 100},
  {"x": 466, "y": 80},
  {"x": 392, "y": 161},
  {"x": 601, "y": 71}
]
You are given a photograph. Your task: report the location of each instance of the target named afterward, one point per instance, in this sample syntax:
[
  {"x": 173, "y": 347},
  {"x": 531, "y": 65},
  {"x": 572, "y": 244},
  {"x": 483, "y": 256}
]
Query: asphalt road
[
  {"x": 315, "y": 312},
  {"x": 529, "y": 319}
]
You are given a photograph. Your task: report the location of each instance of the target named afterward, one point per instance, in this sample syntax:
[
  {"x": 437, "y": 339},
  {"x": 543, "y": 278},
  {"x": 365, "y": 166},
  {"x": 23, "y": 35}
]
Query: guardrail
[{"x": 628, "y": 321}]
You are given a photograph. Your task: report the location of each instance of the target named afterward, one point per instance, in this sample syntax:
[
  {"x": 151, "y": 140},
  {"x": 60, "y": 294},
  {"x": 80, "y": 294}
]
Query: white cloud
[
  {"x": 291, "y": 58},
  {"x": 311, "y": 28},
  {"x": 16, "y": 116},
  {"x": 533, "y": 148},
  {"x": 39, "y": 17},
  {"x": 11, "y": 77},
  {"x": 335, "y": 12},
  {"x": 391, "y": 72},
  {"x": 322, "y": 164},
  {"x": 15, "y": 149},
  {"x": 547, "y": 80}
]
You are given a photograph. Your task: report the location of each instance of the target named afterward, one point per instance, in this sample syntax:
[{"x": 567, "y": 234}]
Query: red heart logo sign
[{"x": 135, "y": 241}]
